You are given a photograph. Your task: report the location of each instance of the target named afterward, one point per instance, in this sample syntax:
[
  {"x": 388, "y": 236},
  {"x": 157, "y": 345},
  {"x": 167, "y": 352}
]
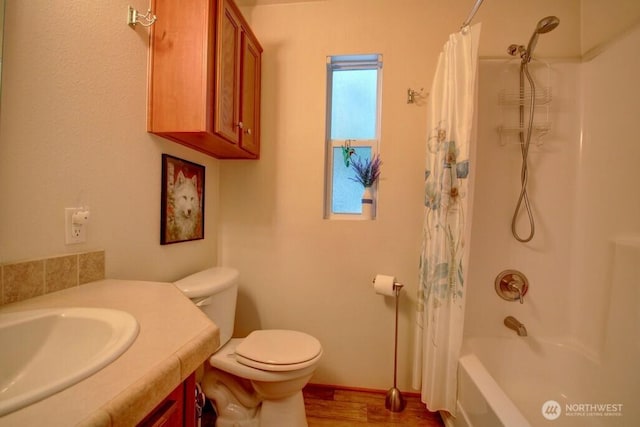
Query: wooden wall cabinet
[{"x": 204, "y": 78}]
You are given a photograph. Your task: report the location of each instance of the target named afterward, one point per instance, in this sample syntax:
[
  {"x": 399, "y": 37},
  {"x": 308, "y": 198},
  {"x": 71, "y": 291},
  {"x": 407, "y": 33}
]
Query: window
[{"x": 353, "y": 128}]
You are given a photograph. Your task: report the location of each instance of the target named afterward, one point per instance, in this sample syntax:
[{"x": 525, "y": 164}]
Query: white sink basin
[{"x": 45, "y": 351}]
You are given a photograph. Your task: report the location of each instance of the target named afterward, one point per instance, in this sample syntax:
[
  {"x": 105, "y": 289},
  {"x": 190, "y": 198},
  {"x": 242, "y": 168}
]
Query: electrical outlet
[{"x": 75, "y": 225}]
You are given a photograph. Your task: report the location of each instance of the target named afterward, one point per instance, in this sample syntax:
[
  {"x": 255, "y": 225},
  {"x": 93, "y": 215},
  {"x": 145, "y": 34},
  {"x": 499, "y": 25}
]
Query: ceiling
[{"x": 263, "y": 2}]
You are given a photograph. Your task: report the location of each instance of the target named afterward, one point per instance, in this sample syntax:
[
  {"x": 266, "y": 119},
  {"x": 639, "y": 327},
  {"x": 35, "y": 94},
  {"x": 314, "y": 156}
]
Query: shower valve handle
[
  {"x": 517, "y": 285},
  {"x": 512, "y": 285}
]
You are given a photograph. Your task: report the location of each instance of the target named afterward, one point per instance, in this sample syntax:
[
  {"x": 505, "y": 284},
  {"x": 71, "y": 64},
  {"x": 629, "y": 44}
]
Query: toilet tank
[{"x": 215, "y": 292}]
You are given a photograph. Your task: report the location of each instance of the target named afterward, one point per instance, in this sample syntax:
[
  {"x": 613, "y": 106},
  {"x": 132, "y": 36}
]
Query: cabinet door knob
[
  {"x": 247, "y": 131},
  {"x": 240, "y": 125}
]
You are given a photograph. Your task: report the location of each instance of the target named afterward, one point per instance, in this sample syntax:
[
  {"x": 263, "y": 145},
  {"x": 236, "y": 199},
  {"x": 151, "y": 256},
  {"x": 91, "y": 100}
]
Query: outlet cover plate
[{"x": 73, "y": 233}]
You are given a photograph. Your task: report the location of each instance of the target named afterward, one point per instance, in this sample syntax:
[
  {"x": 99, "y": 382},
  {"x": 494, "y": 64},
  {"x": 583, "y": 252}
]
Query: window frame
[{"x": 345, "y": 63}]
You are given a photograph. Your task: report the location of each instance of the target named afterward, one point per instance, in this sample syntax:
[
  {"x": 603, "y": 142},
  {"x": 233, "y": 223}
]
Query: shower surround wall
[
  {"x": 582, "y": 263},
  {"x": 552, "y": 181},
  {"x": 607, "y": 199}
]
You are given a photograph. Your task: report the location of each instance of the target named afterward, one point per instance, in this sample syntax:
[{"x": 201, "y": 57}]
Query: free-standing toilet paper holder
[{"x": 394, "y": 400}]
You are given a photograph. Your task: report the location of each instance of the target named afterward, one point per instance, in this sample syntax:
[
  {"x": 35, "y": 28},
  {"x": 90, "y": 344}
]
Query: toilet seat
[
  {"x": 225, "y": 359},
  {"x": 278, "y": 350}
]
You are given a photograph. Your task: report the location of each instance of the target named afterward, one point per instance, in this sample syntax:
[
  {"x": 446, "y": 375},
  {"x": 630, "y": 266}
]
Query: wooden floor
[{"x": 327, "y": 406}]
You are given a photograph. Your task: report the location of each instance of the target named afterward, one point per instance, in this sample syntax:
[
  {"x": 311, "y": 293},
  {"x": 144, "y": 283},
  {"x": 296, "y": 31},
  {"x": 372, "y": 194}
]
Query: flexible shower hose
[{"x": 524, "y": 148}]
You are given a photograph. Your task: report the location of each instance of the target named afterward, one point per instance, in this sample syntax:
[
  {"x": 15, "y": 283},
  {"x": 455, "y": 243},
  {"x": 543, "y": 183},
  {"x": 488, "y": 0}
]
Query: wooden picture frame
[{"x": 182, "y": 201}]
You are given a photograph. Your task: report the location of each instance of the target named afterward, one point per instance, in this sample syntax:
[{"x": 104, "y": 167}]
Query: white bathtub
[{"x": 506, "y": 381}]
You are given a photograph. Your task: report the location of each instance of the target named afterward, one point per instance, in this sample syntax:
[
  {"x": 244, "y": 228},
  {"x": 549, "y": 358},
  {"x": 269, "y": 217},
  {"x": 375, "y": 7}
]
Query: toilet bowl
[{"x": 257, "y": 380}]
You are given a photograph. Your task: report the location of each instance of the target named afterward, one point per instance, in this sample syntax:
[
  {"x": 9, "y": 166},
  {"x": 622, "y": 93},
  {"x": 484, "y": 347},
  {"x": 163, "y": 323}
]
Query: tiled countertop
[{"x": 175, "y": 338}]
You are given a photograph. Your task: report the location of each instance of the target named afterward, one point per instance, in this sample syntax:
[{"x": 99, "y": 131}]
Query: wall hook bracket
[
  {"x": 134, "y": 17},
  {"x": 413, "y": 94}
]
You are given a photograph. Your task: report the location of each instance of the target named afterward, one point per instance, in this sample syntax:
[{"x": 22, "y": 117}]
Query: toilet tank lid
[{"x": 208, "y": 282}]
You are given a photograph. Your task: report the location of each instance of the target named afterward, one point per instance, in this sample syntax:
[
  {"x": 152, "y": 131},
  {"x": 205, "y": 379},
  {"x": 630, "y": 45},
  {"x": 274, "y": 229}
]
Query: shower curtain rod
[{"x": 472, "y": 13}]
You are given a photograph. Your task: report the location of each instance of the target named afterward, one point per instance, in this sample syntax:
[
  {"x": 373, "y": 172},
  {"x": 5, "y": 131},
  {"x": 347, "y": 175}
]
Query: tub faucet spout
[{"x": 513, "y": 323}]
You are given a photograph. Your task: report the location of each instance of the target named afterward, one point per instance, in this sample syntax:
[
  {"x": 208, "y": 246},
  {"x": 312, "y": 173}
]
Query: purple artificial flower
[{"x": 367, "y": 171}]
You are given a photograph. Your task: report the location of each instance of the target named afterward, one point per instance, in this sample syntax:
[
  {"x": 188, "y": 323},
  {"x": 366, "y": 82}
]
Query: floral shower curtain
[{"x": 443, "y": 260}]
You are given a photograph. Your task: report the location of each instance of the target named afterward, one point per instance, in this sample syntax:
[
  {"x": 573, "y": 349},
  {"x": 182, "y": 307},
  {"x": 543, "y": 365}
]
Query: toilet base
[
  {"x": 221, "y": 422},
  {"x": 288, "y": 412},
  {"x": 272, "y": 413},
  {"x": 239, "y": 405}
]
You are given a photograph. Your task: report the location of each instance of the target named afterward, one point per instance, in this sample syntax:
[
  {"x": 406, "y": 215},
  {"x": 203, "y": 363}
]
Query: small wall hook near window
[
  {"x": 134, "y": 17},
  {"x": 413, "y": 94}
]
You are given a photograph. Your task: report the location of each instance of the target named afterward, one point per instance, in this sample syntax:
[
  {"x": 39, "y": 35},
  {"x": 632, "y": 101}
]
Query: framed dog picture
[{"x": 182, "y": 210}]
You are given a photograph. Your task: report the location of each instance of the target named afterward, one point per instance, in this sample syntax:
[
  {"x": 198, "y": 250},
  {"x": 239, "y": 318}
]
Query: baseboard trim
[{"x": 360, "y": 389}]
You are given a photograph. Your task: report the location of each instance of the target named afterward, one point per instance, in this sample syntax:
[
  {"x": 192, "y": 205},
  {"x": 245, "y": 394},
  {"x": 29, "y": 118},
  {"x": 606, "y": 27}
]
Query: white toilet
[{"x": 257, "y": 380}]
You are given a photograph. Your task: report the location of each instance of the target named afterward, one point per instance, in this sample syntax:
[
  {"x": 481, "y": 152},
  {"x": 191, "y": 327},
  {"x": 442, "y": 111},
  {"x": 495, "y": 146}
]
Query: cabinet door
[
  {"x": 178, "y": 409},
  {"x": 178, "y": 70},
  {"x": 169, "y": 413},
  {"x": 250, "y": 90},
  {"x": 227, "y": 121}
]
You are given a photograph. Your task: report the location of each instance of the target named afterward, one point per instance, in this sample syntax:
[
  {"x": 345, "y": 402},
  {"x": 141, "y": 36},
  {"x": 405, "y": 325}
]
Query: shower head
[{"x": 545, "y": 25}]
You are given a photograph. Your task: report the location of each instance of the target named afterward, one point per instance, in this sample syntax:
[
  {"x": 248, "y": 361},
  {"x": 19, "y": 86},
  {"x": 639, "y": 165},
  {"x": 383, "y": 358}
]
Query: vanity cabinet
[
  {"x": 204, "y": 78},
  {"x": 177, "y": 409}
]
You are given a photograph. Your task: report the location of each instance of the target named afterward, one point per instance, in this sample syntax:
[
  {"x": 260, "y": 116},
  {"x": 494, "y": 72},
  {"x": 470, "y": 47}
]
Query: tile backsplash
[{"x": 28, "y": 279}]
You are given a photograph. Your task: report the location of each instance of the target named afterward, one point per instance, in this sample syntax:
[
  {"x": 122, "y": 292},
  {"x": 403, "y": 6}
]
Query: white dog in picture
[{"x": 186, "y": 207}]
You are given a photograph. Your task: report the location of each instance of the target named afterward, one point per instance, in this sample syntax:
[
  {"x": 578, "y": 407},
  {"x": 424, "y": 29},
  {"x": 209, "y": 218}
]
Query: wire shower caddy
[{"x": 510, "y": 98}]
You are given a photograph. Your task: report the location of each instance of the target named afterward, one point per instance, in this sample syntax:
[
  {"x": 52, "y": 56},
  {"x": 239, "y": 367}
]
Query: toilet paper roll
[{"x": 384, "y": 285}]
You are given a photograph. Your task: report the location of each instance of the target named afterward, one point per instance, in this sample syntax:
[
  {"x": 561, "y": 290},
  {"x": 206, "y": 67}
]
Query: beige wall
[
  {"x": 73, "y": 132},
  {"x": 300, "y": 271},
  {"x": 604, "y": 21}
]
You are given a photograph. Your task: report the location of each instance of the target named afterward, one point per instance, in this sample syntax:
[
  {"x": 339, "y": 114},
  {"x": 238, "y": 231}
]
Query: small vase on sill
[{"x": 368, "y": 203}]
